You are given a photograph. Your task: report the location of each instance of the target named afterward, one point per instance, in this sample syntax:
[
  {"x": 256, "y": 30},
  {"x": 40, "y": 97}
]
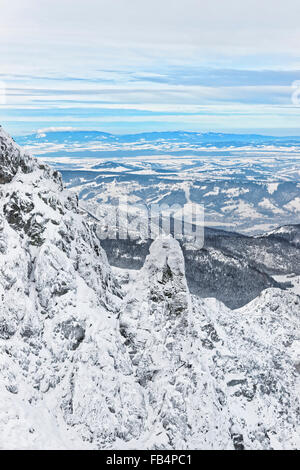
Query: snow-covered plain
[
  {"x": 102, "y": 358},
  {"x": 246, "y": 183}
]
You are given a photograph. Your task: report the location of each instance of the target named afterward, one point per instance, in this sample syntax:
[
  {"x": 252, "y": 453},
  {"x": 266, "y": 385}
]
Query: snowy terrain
[
  {"x": 110, "y": 358},
  {"x": 246, "y": 183},
  {"x": 230, "y": 267}
]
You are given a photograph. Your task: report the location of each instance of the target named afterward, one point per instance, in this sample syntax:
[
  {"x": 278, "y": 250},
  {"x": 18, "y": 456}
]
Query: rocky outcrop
[{"x": 59, "y": 302}]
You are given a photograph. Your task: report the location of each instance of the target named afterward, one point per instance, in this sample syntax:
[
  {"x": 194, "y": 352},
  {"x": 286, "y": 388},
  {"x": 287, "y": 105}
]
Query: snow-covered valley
[
  {"x": 247, "y": 183},
  {"x": 101, "y": 357}
]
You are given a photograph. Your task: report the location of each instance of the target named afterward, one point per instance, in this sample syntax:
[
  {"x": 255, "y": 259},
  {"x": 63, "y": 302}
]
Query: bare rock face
[{"x": 88, "y": 363}]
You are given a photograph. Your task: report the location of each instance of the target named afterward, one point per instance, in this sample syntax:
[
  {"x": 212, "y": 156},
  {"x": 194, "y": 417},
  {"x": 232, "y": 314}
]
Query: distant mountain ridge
[{"x": 198, "y": 138}]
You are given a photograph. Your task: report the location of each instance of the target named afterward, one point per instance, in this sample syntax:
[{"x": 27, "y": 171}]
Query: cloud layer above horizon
[{"x": 129, "y": 65}]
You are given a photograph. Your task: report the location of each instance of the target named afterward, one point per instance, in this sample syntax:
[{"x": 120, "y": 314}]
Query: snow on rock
[
  {"x": 216, "y": 378},
  {"x": 60, "y": 348},
  {"x": 255, "y": 357},
  {"x": 88, "y": 363},
  {"x": 154, "y": 323},
  {"x": 288, "y": 233}
]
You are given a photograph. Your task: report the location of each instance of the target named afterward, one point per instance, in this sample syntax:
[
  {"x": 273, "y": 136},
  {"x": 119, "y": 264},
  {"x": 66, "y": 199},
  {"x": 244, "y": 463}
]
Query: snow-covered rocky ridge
[{"x": 92, "y": 357}]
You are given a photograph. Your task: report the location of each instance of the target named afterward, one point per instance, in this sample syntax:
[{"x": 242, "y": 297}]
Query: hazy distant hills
[{"x": 77, "y": 139}]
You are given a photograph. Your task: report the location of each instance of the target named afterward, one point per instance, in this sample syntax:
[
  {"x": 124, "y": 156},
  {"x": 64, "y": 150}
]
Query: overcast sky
[{"x": 130, "y": 65}]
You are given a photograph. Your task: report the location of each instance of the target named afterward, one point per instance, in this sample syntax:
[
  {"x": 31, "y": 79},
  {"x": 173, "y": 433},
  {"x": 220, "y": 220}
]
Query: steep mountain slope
[
  {"x": 90, "y": 358},
  {"x": 288, "y": 233},
  {"x": 226, "y": 379},
  {"x": 58, "y": 325},
  {"x": 254, "y": 360}
]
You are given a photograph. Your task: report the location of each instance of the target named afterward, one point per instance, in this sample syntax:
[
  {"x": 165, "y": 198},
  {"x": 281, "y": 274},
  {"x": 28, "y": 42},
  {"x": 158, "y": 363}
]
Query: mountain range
[
  {"x": 137, "y": 354},
  {"x": 246, "y": 183},
  {"x": 204, "y": 139}
]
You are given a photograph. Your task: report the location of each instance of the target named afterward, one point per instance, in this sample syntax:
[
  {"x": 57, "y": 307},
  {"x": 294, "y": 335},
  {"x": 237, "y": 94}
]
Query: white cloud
[
  {"x": 227, "y": 26},
  {"x": 55, "y": 129},
  {"x": 125, "y": 54}
]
